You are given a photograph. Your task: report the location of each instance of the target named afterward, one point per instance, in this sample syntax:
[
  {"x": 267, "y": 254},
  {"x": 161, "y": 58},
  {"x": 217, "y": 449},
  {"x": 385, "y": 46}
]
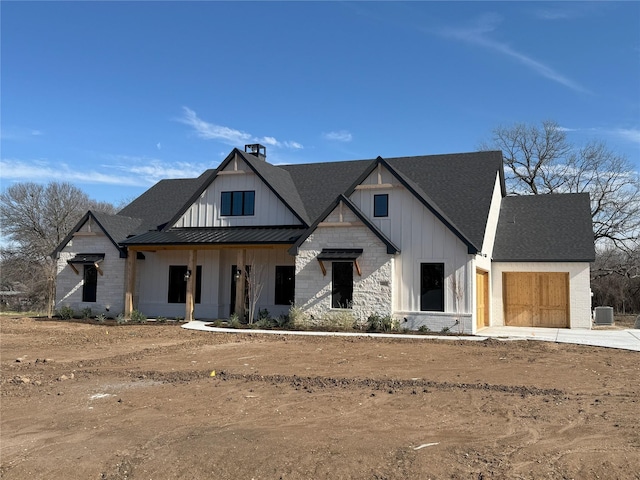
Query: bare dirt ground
[{"x": 89, "y": 401}]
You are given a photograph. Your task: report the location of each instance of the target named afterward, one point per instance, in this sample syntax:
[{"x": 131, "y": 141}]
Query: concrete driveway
[{"x": 624, "y": 339}]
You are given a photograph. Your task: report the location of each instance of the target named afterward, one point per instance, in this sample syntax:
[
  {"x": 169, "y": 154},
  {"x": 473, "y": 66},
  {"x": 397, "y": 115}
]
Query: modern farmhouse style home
[{"x": 430, "y": 240}]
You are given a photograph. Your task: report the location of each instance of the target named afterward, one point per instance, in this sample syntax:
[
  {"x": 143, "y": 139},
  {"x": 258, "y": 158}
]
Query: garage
[{"x": 536, "y": 299}]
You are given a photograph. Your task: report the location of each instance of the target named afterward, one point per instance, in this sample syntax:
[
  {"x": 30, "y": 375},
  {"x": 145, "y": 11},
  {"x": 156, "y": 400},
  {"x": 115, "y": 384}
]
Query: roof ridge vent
[{"x": 256, "y": 149}]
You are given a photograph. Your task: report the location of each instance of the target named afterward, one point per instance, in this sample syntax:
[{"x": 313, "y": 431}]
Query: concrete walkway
[{"x": 622, "y": 339}]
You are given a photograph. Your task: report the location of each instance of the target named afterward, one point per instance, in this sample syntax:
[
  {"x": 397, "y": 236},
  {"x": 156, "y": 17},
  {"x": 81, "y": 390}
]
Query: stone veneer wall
[
  {"x": 372, "y": 292},
  {"x": 110, "y": 288}
]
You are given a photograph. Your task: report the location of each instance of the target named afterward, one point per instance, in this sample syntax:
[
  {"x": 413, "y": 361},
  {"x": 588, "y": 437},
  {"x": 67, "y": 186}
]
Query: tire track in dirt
[{"x": 391, "y": 385}]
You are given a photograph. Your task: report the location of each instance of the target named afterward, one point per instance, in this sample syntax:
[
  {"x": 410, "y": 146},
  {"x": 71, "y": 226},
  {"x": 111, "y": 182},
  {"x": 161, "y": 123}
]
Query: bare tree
[
  {"x": 456, "y": 284},
  {"x": 255, "y": 285},
  {"x": 35, "y": 219},
  {"x": 540, "y": 160}
]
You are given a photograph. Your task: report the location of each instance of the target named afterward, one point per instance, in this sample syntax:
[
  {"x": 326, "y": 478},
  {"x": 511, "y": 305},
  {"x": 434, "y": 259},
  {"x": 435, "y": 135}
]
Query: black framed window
[
  {"x": 90, "y": 283},
  {"x": 342, "y": 285},
  {"x": 236, "y": 204},
  {"x": 381, "y": 205},
  {"x": 432, "y": 287},
  {"x": 178, "y": 284},
  {"x": 285, "y": 285}
]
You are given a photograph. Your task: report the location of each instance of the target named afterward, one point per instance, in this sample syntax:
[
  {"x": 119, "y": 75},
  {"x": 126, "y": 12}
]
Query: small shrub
[
  {"x": 234, "y": 321},
  {"x": 179, "y": 319},
  {"x": 138, "y": 317},
  {"x": 424, "y": 329},
  {"x": 376, "y": 323},
  {"x": 161, "y": 320},
  {"x": 263, "y": 313},
  {"x": 65, "y": 312},
  {"x": 86, "y": 312},
  {"x": 120, "y": 319},
  {"x": 298, "y": 319},
  {"x": 445, "y": 329},
  {"x": 218, "y": 323},
  {"x": 340, "y": 320},
  {"x": 283, "y": 322},
  {"x": 101, "y": 318},
  {"x": 263, "y": 323}
]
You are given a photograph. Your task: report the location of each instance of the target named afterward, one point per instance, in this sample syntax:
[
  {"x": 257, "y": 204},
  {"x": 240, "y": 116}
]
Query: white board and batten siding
[
  {"x": 237, "y": 176},
  {"x": 152, "y": 283},
  {"x": 422, "y": 238},
  {"x": 110, "y": 286},
  {"x": 263, "y": 263}
]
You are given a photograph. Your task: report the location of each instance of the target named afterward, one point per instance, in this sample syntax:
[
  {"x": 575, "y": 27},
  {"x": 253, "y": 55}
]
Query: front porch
[{"x": 207, "y": 281}]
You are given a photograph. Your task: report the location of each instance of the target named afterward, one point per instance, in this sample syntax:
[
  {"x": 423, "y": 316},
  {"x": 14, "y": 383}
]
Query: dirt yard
[{"x": 89, "y": 401}]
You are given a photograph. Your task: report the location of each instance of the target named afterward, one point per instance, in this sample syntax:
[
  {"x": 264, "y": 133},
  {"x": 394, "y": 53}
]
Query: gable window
[
  {"x": 236, "y": 204},
  {"x": 285, "y": 285},
  {"x": 432, "y": 287},
  {"x": 342, "y": 284},
  {"x": 90, "y": 283},
  {"x": 381, "y": 205},
  {"x": 178, "y": 284}
]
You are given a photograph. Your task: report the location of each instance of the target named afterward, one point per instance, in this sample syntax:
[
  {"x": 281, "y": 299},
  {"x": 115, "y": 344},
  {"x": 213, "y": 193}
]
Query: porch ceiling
[{"x": 219, "y": 235}]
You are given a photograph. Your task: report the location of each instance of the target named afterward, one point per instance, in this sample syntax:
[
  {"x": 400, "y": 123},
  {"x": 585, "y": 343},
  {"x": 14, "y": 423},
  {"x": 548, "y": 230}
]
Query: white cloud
[
  {"x": 230, "y": 136},
  {"x": 141, "y": 171},
  {"x": 45, "y": 171},
  {"x": 159, "y": 146},
  {"x": 549, "y": 14},
  {"x": 338, "y": 136},
  {"x": 631, "y": 134},
  {"x": 478, "y": 34},
  {"x": 566, "y": 129},
  {"x": 293, "y": 145},
  {"x": 151, "y": 170},
  {"x": 269, "y": 141},
  {"x": 211, "y": 131},
  {"x": 19, "y": 134}
]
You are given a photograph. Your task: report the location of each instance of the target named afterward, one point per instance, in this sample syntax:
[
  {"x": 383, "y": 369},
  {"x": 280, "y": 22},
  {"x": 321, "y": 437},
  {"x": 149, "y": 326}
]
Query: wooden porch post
[
  {"x": 191, "y": 282},
  {"x": 240, "y": 285},
  {"x": 131, "y": 282}
]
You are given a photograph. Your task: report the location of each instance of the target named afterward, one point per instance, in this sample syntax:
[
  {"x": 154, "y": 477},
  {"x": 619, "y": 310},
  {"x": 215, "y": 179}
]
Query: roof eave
[
  {"x": 472, "y": 249},
  {"x": 392, "y": 249}
]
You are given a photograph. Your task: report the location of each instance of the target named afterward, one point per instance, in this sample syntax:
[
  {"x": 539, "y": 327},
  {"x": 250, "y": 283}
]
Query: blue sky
[{"x": 116, "y": 96}]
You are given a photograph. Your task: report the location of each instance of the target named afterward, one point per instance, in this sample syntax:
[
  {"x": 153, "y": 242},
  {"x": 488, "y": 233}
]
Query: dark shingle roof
[
  {"x": 461, "y": 186},
  {"x": 457, "y": 186},
  {"x": 118, "y": 227},
  {"x": 219, "y": 235},
  {"x": 160, "y": 203},
  {"x": 539, "y": 228},
  {"x": 318, "y": 184},
  {"x": 280, "y": 181}
]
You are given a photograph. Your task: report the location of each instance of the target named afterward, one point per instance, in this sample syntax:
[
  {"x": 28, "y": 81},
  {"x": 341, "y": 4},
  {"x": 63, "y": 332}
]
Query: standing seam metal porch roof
[{"x": 219, "y": 235}]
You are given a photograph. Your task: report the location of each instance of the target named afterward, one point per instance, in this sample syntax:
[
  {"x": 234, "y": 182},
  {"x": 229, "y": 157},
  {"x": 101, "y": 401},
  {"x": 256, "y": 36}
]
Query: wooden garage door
[{"x": 536, "y": 299}]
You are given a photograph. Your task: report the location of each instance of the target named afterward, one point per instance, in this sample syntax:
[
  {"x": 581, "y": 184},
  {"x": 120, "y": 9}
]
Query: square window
[{"x": 381, "y": 205}]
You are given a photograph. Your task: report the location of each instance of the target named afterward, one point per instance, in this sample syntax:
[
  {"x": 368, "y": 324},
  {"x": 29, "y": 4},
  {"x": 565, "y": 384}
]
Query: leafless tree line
[
  {"x": 541, "y": 160},
  {"x": 35, "y": 218}
]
